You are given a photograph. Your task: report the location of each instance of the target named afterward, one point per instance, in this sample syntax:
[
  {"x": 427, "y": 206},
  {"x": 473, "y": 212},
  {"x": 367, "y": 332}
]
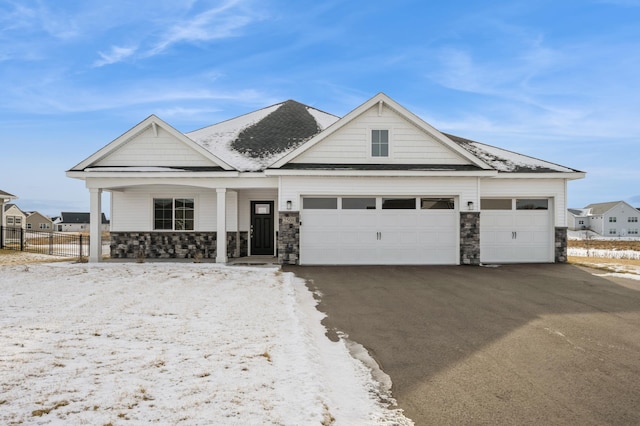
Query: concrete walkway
[{"x": 517, "y": 344}]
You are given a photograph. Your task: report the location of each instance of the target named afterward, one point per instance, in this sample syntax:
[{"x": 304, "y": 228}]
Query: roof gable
[
  {"x": 152, "y": 143},
  {"x": 431, "y": 144},
  {"x": 603, "y": 208}
]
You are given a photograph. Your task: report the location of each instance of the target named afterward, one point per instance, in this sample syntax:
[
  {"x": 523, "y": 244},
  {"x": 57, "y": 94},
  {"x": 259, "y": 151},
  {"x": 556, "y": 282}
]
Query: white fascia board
[
  {"x": 175, "y": 174},
  {"x": 380, "y": 173},
  {"x": 559, "y": 175}
]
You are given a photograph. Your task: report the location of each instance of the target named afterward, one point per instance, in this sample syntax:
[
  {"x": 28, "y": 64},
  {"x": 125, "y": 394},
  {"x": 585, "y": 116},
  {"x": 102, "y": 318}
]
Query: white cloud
[
  {"x": 116, "y": 54},
  {"x": 214, "y": 24}
]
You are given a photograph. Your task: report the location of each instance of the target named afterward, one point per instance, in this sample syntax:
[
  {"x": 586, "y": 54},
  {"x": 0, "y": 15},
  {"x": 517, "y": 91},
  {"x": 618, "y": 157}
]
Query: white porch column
[
  {"x": 221, "y": 228},
  {"x": 95, "y": 227}
]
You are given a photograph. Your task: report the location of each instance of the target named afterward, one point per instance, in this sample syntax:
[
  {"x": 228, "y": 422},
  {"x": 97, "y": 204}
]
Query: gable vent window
[
  {"x": 173, "y": 214},
  {"x": 379, "y": 143}
]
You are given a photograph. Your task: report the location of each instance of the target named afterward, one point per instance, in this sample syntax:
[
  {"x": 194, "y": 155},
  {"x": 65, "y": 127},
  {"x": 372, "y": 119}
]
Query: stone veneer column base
[
  {"x": 470, "y": 238},
  {"x": 289, "y": 238},
  {"x": 163, "y": 245},
  {"x": 561, "y": 245}
]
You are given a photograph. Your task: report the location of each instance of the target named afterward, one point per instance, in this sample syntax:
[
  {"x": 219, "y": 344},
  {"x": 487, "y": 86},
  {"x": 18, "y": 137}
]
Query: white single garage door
[
  {"x": 378, "y": 231},
  {"x": 515, "y": 231}
]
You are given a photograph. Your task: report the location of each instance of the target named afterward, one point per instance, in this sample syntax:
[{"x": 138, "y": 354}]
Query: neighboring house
[
  {"x": 38, "y": 222},
  {"x": 578, "y": 219},
  {"x": 377, "y": 186},
  {"x": 5, "y": 197},
  {"x": 616, "y": 218},
  {"x": 14, "y": 217},
  {"x": 77, "y": 222}
]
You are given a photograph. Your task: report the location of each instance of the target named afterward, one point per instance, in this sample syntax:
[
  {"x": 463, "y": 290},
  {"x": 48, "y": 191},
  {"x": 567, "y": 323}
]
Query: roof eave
[{"x": 380, "y": 173}]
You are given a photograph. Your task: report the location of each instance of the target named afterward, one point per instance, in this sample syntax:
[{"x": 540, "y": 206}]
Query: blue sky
[{"x": 557, "y": 80}]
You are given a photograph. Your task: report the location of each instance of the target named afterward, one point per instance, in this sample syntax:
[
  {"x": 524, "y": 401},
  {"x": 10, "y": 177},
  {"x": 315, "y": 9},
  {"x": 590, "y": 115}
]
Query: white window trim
[
  {"x": 173, "y": 197},
  {"x": 370, "y": 142}
]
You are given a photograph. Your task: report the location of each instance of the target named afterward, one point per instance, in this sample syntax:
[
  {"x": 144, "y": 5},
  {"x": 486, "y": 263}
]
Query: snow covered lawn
[{"x": 173, "y": 343}]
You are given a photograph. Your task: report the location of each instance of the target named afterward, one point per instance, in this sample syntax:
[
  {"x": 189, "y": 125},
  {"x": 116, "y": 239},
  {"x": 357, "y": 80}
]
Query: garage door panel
[
  {"x": 515, "y": 236},
  {"x": 370, "y": 237}
]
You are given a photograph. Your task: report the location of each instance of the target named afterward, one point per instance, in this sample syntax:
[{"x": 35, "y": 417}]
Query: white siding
[
  {"x": 132, "y": 210},
  {"x": 294, "y": 187},
  {"x": 538, "y": 188},
  {"x": 407, "y": 143},
  {"x": 148, "y": 150}
]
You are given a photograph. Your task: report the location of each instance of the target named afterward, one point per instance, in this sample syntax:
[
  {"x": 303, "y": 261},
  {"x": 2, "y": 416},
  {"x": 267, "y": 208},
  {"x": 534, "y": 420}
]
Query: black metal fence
[{"x": 61, "y": 244}]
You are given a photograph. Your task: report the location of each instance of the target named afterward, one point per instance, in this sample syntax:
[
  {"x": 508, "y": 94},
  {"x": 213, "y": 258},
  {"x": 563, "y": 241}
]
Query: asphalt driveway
[{"x": 516, "y": 344}]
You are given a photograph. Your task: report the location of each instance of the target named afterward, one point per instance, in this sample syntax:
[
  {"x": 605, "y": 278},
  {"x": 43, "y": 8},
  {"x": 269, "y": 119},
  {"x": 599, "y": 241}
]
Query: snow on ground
[
  {"x": 173, "y": 343},
  {"x": 607, "y": 254}
]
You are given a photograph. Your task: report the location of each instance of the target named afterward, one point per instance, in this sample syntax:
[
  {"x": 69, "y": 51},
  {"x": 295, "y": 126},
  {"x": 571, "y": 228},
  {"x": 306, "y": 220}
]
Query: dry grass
[{"x": 609, "y": 265}]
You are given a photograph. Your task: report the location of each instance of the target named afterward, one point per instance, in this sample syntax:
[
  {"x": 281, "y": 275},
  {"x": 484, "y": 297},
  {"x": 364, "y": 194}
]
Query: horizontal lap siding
[
  {"x": 132, "y": 210},
  {"x": 408, "y": 144},
  {"x": 148, "y": 150},
  {"x": 514, "y": 188},
  {"x": 292, "y": 188}
]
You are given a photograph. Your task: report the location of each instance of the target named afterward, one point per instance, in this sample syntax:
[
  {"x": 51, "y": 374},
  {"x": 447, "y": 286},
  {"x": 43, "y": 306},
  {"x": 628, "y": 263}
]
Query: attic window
[{"x": 379, "y": 143}]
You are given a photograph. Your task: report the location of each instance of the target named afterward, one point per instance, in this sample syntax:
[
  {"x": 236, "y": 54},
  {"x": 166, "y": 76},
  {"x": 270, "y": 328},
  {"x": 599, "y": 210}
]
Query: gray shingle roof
[
  {"x": 602, "y": 208},
  {"x": 284, "y": 129},
  {"x": 79, "y": 217}
]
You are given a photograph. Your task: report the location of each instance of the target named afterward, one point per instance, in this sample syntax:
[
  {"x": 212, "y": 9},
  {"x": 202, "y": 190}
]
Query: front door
[{"x": 262, "y": 227}]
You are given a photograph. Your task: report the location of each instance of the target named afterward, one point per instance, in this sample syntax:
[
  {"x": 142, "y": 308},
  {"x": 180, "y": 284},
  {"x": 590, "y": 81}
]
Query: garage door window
[
  {"x": 495, "y": 204},
  {"x": 525, "y": 204},
  {"x": 320, "y": 203},
  {"x": 359, "y": 203},
  {"x": 399, "y": 203},
  {"x": 436, "y": 203}
]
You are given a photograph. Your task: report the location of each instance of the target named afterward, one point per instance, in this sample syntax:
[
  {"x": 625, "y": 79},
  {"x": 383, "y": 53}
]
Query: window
[
  {"x": 612, "y": 231},
  {"x": 613, "y": 219},
  {"x": 18, "y": 221},
  {"x": 359, "y": 203},
  {"x": 379, "y": 143},
  {"x": 581, "y": 222},
  {"x": 9, "y": 220},
  {"x": 173, "y": 214},
  {"x": 44, "y": 226},
  {"x": 399, "y": 203},
  {"x": 533, "y": 204},
  {"x": 633, "y": 231},
  {"x": 28, "y": 226},
  {"x": 320, "y": 203},
  {"x": 437, "y": 203},
  {"x": 633, "y": 219},
  {"x": 495, "y": 204}
]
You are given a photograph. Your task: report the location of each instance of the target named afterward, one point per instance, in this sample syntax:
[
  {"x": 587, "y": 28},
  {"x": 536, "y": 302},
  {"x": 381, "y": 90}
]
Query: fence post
[
  {"x": 1, "y": 236},
  {"x": 80, "y": 258},
  {"x": 21, "y": 239},
  {"x": 51, "y": 243}
]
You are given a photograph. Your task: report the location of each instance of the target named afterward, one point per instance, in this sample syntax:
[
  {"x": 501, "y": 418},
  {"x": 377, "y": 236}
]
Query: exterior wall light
[
  {"x": 470, "y": 205},
  {"x": 288, "y": 204}
]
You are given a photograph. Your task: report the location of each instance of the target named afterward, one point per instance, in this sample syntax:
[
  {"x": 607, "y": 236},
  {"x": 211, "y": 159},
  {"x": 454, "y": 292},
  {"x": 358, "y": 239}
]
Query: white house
[
  {"x": 377, "y": 186},
  {"x": 5, "y": 197},
  {"x": 616, "y": 218},
  {"x": 14, "y": 217},
  {"x": 77, "y": 222},
  {"x": 578, "y": 219}
]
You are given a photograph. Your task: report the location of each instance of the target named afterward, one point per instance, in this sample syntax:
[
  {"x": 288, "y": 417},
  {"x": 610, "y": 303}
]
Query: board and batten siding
[
  {"x": 535, "y": 188},
  {"x": 407, "y": 143},
  {"x": 132, "y": 210},
  {"x": 292, "y": 188},
  {"x": 149, "y": 150}
]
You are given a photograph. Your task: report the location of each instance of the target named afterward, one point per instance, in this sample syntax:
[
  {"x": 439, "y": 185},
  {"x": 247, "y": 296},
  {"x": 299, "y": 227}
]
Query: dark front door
[{"x": 262, "y": 227}]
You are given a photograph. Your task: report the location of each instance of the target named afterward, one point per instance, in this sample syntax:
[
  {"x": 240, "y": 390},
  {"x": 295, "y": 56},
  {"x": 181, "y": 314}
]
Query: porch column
[
  {"x": 221, "y": 219},
  {"x": 95, "y": 225}
]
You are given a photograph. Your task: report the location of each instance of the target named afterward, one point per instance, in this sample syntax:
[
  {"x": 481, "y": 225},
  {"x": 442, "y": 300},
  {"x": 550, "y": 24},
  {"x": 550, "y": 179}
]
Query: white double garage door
[{"x": 414, "y": 231}]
